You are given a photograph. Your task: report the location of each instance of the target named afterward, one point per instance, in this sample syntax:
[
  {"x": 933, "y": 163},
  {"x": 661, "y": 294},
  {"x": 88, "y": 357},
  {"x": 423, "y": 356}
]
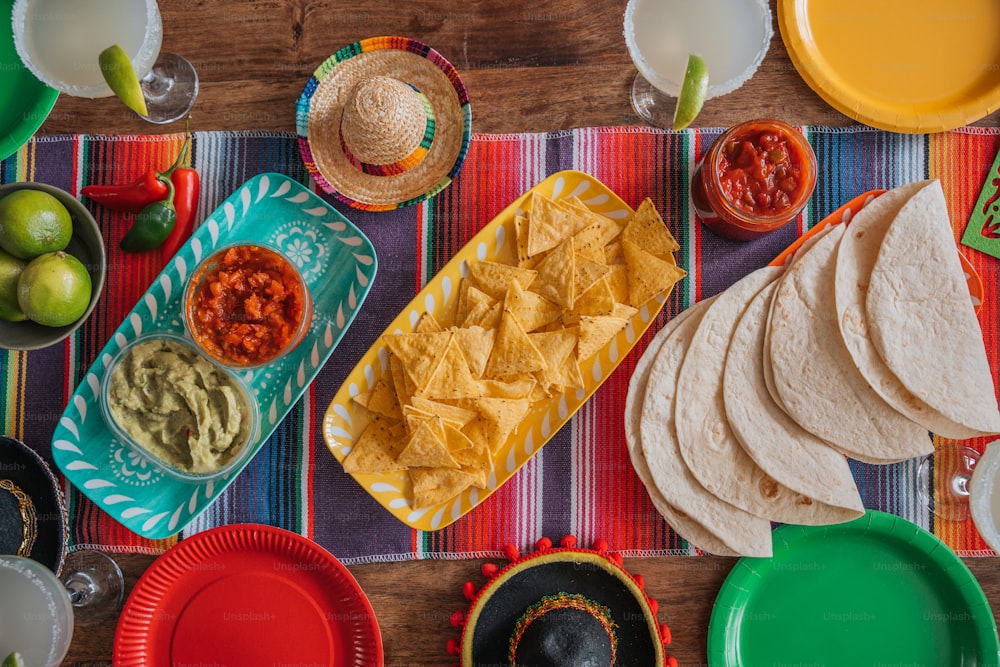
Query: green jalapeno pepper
[{"x": 152, "y": 224}]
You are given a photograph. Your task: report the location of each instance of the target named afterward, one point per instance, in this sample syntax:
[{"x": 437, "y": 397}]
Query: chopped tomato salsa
[
  {"x": 760, "y": 171},
  {"x": 248, "y": 305}
]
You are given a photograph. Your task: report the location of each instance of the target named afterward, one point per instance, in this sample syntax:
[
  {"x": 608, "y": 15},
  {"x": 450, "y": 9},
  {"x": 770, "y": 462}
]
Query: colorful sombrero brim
[
  {"x": 320, "y": 107},
  {"x": 497, "y": 608}
]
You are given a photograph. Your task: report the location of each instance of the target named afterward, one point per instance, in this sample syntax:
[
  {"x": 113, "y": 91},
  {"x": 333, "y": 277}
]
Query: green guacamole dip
[{"x": 179, "y": 406}]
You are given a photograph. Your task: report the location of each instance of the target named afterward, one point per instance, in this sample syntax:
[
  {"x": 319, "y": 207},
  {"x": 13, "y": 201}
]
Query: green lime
[
  {"x": 13, "y": 660},
  {"x": 117, "y": 69},
  {"x": 10, "y": 270},
  {"x": 692, "y": 97},
  {"x": 32, "y": 223},
  {"x": 54, "y": 289}
]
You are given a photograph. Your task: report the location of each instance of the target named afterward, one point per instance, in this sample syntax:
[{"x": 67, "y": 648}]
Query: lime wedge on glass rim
[
  {"x": 13, "y": 660},
  {"x": 117, "y": 69},
  {"x": 693, "y": 90}
]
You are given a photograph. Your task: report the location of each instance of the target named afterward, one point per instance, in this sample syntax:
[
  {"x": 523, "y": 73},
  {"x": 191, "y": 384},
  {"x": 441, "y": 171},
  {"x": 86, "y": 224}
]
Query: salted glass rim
[
  {"x": 143, "y": 61},
  {"x": 671, "y": 87}
]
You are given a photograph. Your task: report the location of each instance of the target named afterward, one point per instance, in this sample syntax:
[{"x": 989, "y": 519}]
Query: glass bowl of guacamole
[{"x": 191, "y": 417}]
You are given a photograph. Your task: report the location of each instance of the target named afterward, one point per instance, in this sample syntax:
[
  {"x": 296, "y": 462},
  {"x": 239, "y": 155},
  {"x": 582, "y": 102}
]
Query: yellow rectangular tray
[{"x": 344, "y": 420}]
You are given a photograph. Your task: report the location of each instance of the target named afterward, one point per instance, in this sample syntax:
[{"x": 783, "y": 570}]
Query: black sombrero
[
  {"x": 559, "y": 607},
  {"x": 32, "y": 509}
]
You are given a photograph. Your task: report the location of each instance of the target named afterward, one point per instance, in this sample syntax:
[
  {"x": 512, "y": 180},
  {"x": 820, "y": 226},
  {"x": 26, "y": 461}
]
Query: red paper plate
[{"x": 247, "y": 595}]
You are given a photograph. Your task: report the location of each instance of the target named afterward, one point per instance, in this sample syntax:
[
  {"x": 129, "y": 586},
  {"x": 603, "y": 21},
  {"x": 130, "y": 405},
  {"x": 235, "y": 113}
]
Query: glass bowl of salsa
[
  {"x": 187, "y": 415},
  {"x": 247, "y": 305},
  {"x": 756, "y": 177}
]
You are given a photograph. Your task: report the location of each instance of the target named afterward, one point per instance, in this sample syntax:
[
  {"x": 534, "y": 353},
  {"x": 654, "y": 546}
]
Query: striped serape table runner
[{"x": 581, "y": 482}]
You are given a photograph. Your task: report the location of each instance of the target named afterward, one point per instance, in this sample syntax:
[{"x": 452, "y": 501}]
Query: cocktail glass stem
[
  {"x": 650, "y": 104},
  {"x": 943, "y": 481},
  {"x": 95, "y": 584},
  {"x": 170, "y": 89}
]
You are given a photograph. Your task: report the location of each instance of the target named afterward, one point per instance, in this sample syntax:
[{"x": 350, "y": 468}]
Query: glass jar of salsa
[
  {"x": 247, "y": 305},
  {"x": 755, "y": 178}
]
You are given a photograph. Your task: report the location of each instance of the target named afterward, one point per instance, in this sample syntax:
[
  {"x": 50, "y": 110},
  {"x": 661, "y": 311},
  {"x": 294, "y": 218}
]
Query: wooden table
[{"x": 530, "y": 65}]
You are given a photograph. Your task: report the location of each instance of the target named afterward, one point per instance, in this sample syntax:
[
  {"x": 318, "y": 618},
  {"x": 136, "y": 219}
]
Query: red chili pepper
[
  {"x": 186, "y": 190},
  {"x": 137, "y": 195},
  {"x": 131, "y": 197}
]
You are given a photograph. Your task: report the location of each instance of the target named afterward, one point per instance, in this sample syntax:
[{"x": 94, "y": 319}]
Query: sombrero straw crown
[{"x": 385, "y": 124}]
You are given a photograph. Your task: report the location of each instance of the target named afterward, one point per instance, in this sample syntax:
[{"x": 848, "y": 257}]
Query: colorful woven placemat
[{"x": 582, "y": 482}]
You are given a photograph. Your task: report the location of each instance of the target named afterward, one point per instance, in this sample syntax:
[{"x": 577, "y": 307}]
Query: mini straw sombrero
[
  {"x": 556, "y": 607},
  {"x": 384, "y": 123}
]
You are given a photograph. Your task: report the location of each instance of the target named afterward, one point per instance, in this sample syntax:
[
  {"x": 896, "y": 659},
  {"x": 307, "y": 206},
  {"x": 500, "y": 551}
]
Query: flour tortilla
[
  {"x": 921, "y": 320},
  {"x": 766, "y": 352},
  {"x": 742, "y": 532},
  {"x": 708, "y": 445},
  {"x": 784, "y": 450},
  {"x": 814, "y": 375},
  {"x": 682, "y": 524},
  {"x": 855, "y": 259}
]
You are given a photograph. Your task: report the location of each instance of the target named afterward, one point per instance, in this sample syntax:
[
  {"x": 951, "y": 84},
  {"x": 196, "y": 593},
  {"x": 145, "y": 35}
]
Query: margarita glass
[
  {"x": 731, "y": 36},
  {"x": 60, "y": 42},
  {"x": 36, "y": 618}
]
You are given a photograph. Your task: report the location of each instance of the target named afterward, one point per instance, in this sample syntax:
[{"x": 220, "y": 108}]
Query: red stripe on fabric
[{"x": 696, "y": 229}]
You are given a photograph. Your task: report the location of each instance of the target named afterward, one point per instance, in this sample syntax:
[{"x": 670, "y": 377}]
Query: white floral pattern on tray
[{"x": 338, "y": 263}]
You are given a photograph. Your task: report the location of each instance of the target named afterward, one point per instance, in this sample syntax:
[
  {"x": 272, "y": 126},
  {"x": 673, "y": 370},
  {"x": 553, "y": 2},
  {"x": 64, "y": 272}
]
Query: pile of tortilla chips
[{"x": 457, "y": 390}]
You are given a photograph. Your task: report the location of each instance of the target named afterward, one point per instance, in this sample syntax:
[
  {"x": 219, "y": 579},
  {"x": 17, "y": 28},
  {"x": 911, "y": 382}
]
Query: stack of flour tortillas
[{"x": 744, "y": 408}]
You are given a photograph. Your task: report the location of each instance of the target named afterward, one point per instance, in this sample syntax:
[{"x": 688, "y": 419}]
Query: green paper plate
[
  {"x": 26, "y": 100},
  {"x": 875, "y": 591}
]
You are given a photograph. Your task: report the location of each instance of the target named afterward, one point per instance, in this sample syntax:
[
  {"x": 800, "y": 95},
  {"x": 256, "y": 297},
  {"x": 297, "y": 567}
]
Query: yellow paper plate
[
  {"x": 920, "y": 66},
  {"x": 344, "y": 421}
]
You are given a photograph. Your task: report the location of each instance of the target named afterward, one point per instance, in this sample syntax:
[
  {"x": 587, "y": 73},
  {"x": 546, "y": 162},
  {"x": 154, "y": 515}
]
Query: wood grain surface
[{"x": 529, "y": 65}]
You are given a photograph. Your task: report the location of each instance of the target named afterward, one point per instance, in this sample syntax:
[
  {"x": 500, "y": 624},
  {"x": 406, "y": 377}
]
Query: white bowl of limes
[{"x": 52, "y": 265}]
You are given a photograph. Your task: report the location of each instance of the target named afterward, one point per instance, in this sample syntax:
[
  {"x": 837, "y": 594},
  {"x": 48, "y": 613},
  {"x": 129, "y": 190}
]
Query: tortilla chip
[
  {"x": 502, "y": 417},
  {"x": 646, "y": 229},
  {"x": 401, "y": 382},
  {"x": 362, "y": 398},
  {"x": 427, "y": 324},
  {"x": 613, "y": 253},
  {"x": 521, "y": 234},
  {"x": 519, "y": 386},
  {"x": 530, "y": 309},
  {"x": 590, "y": 240},
  {"x": 618, "y": 282},
  {"x": 420, "y": 353},
  {"x": 452, "y": 379},
  {"x": 474, "y": 459},
  {"x": 376, "y": 449},
  {"x": 426, "y": 447},
  {"x": 624, "y": 311},
  {"x": 648, "y": 275},
  {"x": 383, "y": 400},
  {"x": 436, "y": 485},
  {"x": 513, "y": 352},
  {"x": 598, "y": 300},
  {"x": 595, "y": 332},
  {"x": 556, "y": 276},
  {"x": 587, "y": 274},
  {"x": 493, "y": 277},
  {"x": 549, "y": 224},
  {"x": 475, "y": 342},
  {"x": 485, "y": 317},
  {"x": 558, "y": 348}
]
